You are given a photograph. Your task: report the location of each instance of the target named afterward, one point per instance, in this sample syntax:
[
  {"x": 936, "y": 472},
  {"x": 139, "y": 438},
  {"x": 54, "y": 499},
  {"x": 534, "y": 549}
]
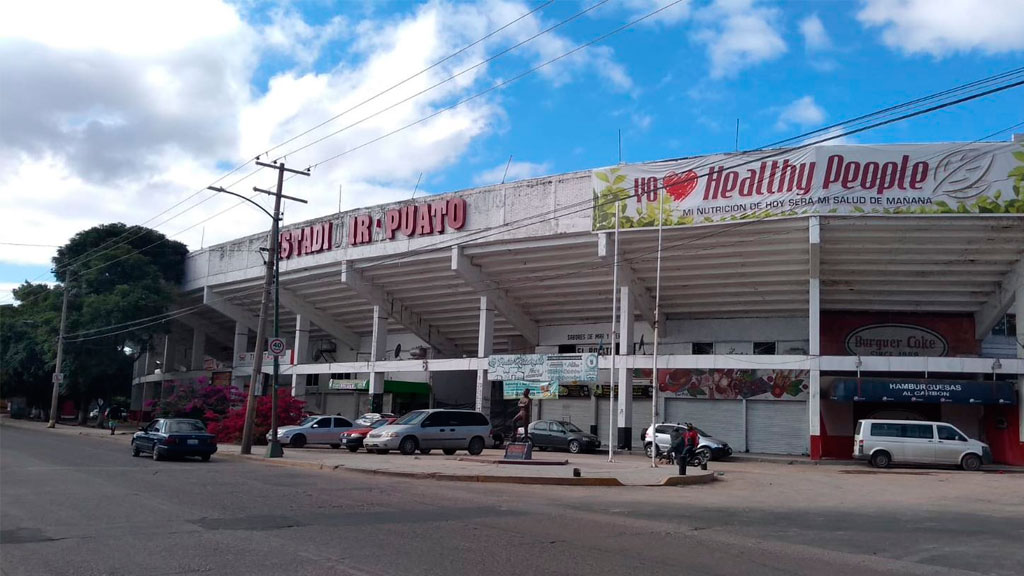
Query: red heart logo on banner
[{"x": 679, "y": 186}]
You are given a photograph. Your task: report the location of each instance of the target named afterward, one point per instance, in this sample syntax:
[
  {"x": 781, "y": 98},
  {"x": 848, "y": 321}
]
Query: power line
[
  {"x": 502, "y": 84},
  {"x": 416, "y": 75},
  {"x": 452, "y": 77},
  {"x": 535, "y": 279},
  {"x": 589, "y": 204},
  {"x": 29, "y": 245},
  {"x": 428, "y": 117},
  {"x": 103, "y": 248}
]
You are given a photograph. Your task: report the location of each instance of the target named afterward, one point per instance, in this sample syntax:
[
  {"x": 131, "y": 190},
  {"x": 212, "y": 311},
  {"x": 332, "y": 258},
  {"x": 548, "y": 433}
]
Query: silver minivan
[
  {"x": 885, "y": 442},
  {"x": 425, "y": 430}
]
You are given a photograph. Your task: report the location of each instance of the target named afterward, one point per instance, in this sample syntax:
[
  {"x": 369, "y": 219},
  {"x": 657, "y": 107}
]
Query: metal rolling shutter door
[
  {"x": 722, "y": 419},
  {"x": 575, "y": 410},
  {"x": 776, "y": 427},
  {"x": 641, "y": 420}
]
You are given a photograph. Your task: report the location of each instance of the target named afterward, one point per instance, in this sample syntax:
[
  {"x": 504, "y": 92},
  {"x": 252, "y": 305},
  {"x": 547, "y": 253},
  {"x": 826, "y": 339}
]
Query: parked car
[
  {"x": 424, "y": 430},
  {"x": 886, "y": 442},
  {"x": 562, "y": 435},
  {"x": 353, "y": 439},
  {"x": 174, "y": 437},
  {"x": 718, "y": 449},
  {"x": 371, "y": 417},
  {"x": 314, "y": 430}
]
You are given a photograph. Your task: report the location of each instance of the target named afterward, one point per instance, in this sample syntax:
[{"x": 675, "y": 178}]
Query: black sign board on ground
[{"x": 923, "y": 390}]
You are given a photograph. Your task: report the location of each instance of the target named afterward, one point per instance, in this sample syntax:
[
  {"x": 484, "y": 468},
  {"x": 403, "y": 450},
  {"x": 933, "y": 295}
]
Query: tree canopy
[{"x": 117, "y": 275}]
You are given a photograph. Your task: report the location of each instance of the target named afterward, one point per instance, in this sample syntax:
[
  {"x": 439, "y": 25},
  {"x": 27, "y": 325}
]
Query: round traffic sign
[{"x": 276, "y": 346}]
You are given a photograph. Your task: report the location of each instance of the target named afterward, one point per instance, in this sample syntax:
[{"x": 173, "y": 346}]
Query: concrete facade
[{"x": 523, "y": 272}]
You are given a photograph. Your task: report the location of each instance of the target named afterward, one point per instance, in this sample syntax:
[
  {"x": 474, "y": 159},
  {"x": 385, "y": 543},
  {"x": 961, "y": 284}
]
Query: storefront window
[{"x": 766, "y": 348}]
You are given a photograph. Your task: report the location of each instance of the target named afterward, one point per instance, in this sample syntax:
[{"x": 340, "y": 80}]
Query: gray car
[
  {"x": 562, "y": 435},
  {"x": 425, "y": 430}
]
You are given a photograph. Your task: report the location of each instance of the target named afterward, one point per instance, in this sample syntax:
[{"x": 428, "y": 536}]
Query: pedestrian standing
[{"x": 690, "y": 440}]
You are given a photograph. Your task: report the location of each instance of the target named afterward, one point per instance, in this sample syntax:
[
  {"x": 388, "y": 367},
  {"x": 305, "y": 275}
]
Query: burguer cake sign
[{"x": 924, "y": 179}]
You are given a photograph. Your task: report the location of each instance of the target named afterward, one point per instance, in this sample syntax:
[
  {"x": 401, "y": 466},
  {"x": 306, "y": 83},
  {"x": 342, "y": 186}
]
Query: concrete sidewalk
[
  {"x": 552, "y": 468},
  {"x": 594, "y": 469}
]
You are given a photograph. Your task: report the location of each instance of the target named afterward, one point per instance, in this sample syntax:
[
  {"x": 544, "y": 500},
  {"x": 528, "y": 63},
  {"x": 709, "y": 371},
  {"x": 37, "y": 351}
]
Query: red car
[{"x": 353, "y": 439}]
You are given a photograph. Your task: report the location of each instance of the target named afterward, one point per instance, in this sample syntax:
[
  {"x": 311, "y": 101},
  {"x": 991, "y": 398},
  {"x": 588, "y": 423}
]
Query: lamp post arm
[{"x": 246, "y": 198}]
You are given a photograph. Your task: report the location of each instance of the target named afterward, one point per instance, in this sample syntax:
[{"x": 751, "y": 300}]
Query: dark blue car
[{"x": 172, "y": 437}]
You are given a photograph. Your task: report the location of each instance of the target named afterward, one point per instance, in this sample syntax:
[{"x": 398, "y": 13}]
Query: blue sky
[{"x": 198, "y": 94}]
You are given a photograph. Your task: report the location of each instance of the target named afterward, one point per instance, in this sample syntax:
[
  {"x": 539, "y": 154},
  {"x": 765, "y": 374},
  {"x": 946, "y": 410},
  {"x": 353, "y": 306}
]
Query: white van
[{"x": 884, "y": 442}]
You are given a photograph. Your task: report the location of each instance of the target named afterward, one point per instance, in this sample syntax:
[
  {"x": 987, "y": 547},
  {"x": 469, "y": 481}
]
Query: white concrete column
[
  {"x": 484, "y": 348},
  {"x": 1018, "y": 307},
  {"x": 301, "y": 351},
  {"x": 241, "y": 347},
  {"x": 625, "y": 376},
  {"x": 198, "y": 348},
  {"x": 814, "y": 338},
  {"x": 377, "y": 349}
]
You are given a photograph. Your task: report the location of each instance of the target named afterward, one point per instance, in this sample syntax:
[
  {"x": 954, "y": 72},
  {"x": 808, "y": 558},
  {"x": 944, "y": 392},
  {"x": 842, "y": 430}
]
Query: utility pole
[
  {"x": 268, "y": 278},
  {"x": 58, "y": 376},
  {"x": 273, "y": 446}
]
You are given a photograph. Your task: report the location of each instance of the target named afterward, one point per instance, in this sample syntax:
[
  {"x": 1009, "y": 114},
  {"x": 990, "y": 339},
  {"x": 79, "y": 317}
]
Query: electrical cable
[
  {"x": 103, "y": 248},
  {"x": 450, "y": 78},
  {"x": 534, "y": 280},
  {"x": 416, "y": 75},
  {"x": 590, "y": 204},
  {"x": 857, "y": 130},
  {"x": 501, "y": 84}
]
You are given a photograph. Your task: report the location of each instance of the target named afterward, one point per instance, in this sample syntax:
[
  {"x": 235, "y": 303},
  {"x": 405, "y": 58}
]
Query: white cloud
[
  {"x": 516, "y": 171},
  {"x": 939, "y": 29},
  {"x": 669, "y": 16},
  {"x": 642, "y": 121},
  {"x": 739, "y": 34},
  {"x": 835, "y": 138},
  {"x": 802, "y": 112},
  {"x": 118, "y": 112},
  {"x": 814, "y": 33}
]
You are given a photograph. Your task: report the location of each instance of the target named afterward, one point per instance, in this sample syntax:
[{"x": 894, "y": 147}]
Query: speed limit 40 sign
[{"x": 276, "y": 346}]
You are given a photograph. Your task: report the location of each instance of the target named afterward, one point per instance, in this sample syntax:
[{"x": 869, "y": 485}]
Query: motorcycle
[{"x": 698, "y": 458}]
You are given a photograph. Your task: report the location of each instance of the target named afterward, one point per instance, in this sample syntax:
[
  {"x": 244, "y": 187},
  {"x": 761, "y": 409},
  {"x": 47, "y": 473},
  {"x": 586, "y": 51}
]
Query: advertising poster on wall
[
  {"x": 639, "y": 390},
  {"x": 544, "y": 374},
  {"x": 513, "y": 389},
  {"x": 976, "y": 178},
  {"x": 732, "y": 384}
]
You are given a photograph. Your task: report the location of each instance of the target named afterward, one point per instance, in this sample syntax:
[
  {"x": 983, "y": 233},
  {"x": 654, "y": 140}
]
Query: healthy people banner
[{"x": 980, "y": 178}]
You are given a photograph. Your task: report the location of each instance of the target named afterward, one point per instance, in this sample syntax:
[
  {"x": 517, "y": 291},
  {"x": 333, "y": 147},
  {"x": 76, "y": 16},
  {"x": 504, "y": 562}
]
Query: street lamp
[{"x": 274, "y": 447}]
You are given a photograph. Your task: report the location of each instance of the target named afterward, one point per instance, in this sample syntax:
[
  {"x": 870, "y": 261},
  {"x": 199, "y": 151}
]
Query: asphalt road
[{"x": 81, "y": 505}]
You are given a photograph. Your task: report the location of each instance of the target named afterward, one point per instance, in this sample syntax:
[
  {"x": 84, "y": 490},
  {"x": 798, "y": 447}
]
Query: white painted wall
[
  {"x": 487, "y": 208},
  {"x": 737, "y": 334},
  {"x": 736, "y": 330}
]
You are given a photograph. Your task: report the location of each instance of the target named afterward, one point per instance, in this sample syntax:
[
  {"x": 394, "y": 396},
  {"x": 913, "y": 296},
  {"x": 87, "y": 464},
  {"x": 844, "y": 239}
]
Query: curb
[
  {"x": 478, "y": 478},
  {"x": 789, "y": 462},
  {"x": 688, "y": 480},
  {"x": 499, "y": 461}
]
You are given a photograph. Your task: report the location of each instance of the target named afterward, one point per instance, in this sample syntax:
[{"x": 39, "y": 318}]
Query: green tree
[
  {"x": 28, "y": 344},
  {"x": 117, "y": 275}
]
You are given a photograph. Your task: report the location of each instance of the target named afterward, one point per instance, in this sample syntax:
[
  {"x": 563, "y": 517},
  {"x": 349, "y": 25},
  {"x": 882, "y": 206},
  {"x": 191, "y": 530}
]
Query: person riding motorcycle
[{"x": 684, "y": 444}]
